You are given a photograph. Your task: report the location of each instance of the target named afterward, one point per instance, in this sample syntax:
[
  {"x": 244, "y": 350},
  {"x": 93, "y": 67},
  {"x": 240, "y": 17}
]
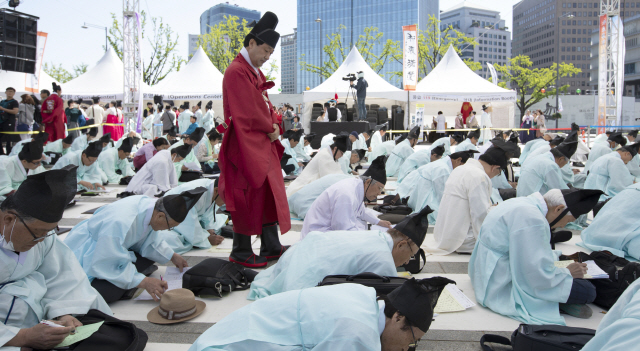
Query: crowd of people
[{"x": 185, "y": 186}]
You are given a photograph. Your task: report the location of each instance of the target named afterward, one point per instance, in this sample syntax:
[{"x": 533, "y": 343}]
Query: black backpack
[
  {"x": 542, "y": 338},
  {"x": 214, "y": 275},
  {"x": 383, "y": 285}
]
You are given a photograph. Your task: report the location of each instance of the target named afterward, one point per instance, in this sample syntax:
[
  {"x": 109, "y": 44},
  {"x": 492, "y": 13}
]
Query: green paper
[{"x": 81, "y": 333}]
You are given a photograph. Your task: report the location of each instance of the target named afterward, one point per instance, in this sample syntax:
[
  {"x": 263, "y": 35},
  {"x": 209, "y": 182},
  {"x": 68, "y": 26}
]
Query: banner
[
  {"x": 419, "y": 116},
  {"x": 494, "y": 75},
  {"x": 32, "y": 84},
  {"x": 508, "y": 96},
  {"x": 410, "y": 57},
  {"x": 602, "y": 75},
  {"x": 560, "y": 108}
]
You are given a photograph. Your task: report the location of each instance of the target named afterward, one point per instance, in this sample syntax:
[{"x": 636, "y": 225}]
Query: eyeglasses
[
  {"x": 414, "y": 345},
  {"x": 35, "y": 238},
  {"x": 167, "y": 219}
]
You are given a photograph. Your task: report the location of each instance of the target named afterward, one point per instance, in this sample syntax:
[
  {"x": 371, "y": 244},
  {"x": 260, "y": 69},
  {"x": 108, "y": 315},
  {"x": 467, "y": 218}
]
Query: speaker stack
[{"x": 18, "y": 41}]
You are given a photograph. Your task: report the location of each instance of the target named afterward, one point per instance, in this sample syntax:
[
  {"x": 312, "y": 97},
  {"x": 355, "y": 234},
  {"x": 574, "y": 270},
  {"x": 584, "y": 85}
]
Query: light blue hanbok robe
[
  {"x": 301, "y": 152},
  {"x": 208, "y": 122},
  {"x": 530, "y": 146},
  {"x": 619, "y": 329},
  {"x": 320, "y": 254},
  {"x": 444, "y": 141},
  {"x": 400, "y": 153},
  {"x": 80, "y": 143},
  {"x": 344, "y": 162},
  {"x": 193, "y": 231},
  {"x": 383, "y": 149},
  {"x": 512, "y": 266},
  {"x": 360, "y": 144},
  {"x": 499, "y": 182},
  {"x": 540, "y": 174},
  {"x": 11, "y": 176},
  {"x": 327, "y": 318},
  {"x": 190, "y": 159},
  {"x": 413, "y": 162},
  {"x": 609, "y": 174},
  {"x": 634, "y": 167},
  {"x": 293, "y": 160},
  {"x": 425, "y": 186},
  {"x": 89, "y": 174},
  {"x": 42, "y": 283},
  {"x": 109, "y": 162},
  {"x": 18, "y": 147},
  {"x": 538, "y": 149},
  {"x": 56, "y": 146},
  {"x": 616, "y": 228},
  {"x": 465, "y": 145},
  {"x": 105, "y": 243},
  {"x": 184, "y": 120},
  {"x": 300, "y": 201},
  {"x": 598, "y": 150}
]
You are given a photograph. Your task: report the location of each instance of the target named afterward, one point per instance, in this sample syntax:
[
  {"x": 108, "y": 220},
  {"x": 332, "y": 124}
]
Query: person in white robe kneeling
[
  {"x": 321, "y": 254},
  {"x": 301, "y": 201},
  {"x": 610, "y": 173},
  {"x": 40, "y": 278},
  {"x": 401, "y": 152},
  {"x": 13, "y": 169},
  {"x": 118, "y": 245},
  {"x": 114, "y": 163},
  {"x": 159, "y": 174},
  {"x": 419, "y": 159},
  {"x": 80, "y": 143},
  {"x": 341, "y": 206},
  {"x": 88, "y": 174},
  {"x": 512, "y": 266}
]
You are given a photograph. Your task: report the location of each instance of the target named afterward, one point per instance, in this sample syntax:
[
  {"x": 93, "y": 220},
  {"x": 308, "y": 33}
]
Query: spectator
[
  {"x": 26, "y": 116},
  {"x": 9, "y": 108}
]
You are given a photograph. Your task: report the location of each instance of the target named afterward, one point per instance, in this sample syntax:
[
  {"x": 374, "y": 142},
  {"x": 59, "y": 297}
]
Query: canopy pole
[{"x": 408, "y": 109}]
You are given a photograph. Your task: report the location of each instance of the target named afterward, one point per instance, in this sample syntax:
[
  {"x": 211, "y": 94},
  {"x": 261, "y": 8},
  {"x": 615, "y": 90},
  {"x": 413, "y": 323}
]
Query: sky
[{"x": 69, "y": 44}]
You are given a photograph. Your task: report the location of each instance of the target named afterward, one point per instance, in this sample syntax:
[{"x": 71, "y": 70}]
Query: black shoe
[
  {"x": 270, "y": 246},
  {"x": 242, "y": 253},
  {"x": 517, "y": 164},
  {"x": 578, "y": 164},
  {"x": 561, "y": 236}
]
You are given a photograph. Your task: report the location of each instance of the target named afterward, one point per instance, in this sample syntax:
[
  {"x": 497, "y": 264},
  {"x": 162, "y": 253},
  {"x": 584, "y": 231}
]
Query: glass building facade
[
  {"x": 289, "y": 63},
  {"x": 216, "y": 14},
  {"x": 387, "y": 15}
]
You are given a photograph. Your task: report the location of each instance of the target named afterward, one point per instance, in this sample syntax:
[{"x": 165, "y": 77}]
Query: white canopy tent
[
  {"x": 18, "y": 81},
  {"x": 451, "y": 83},
  {"x": 379, "y": 91},
  {"x": 105, "y": 80}
]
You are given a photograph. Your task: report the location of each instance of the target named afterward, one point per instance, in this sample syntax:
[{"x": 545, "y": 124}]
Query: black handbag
[
  {"x": 383, "y": 285},
  {"x": 125, "y": 180},
  {"x": 414, "y": 264},
  {"x": 542, "y": 338},
  {"x": 391, "y": 209},
  {"x": 213, "y": 276}
]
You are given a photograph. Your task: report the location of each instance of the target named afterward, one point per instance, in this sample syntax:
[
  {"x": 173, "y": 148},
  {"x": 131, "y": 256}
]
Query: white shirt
[
  {"x": 441, "y": 120},
  {"x": 245, "y": 54},
  {"x": 382, "y": 318}
]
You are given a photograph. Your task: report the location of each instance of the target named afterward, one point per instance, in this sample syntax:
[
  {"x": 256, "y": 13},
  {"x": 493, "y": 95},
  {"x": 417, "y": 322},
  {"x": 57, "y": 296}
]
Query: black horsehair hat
[
  {"x": 618, "y": 138},
  {"x": 31, "y": 151},
  {"x": 457, "y": 138},
  {"x": 474, "y": 134},
  {"x": 465, "y": 155},
  {"x": 569, "y": 146},
  {"x": 414, "y": 133},
  {"x": 45, "y": 195},
  {"x": 632, "y": 148},
  {"x": 197, "y": 134},
  {"x": 69, "y": 139},
  {"x": 377, "y": 170},
  {"x": 501, "y": 152},
  {"x": 340, "y": 141},
  {"x": 360, "y": 153},
  {"x": 127, "y": 145},
  {"x": 93, "y": 149},
  {"x": 415, "y": 226},
  {"x": 438, "y": 150},
  {"x": 178, "y": 205},
  {"x": 183, "y": 150},
  {"x": 93, "y": 131},
  {"x": 106, "y": 138},
  {"x": 264, "y": 30},
  {"x": 581, "y": 201},
  {"x": 416, "y": 299},
  {"x": 556, "y": 141}
]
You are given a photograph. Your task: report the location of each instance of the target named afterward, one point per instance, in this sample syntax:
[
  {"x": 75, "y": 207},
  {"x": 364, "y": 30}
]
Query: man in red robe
[
  {"x": 466, "y": 111},
  {"x": 251, "y": 182},
  {"x": 52, "y": 112}
]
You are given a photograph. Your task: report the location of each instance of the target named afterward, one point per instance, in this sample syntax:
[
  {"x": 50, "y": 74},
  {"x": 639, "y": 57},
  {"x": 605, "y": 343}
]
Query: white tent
[
  {"x": 18, "y": 81},
  {"x": 105, "y": 80},
  {"x": 451, "y": 83}
]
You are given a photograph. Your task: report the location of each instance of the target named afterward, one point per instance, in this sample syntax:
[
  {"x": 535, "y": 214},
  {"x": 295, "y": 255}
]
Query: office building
[
  {"x": 485, "y": 25},
  {"x": 355, "y": 15},
  {"x": 193, "y": 45},
  {"x": 216, "y": 14},
  {"x": 289, "y": 63}
]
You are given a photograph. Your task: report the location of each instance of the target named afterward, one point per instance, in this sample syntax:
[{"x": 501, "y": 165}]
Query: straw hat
[{"x": 176, "y": 306}]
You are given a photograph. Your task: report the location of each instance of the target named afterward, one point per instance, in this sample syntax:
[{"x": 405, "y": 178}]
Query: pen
[
  {"x": 51, "y": 324},
  {"x": 160, "y": 278}
]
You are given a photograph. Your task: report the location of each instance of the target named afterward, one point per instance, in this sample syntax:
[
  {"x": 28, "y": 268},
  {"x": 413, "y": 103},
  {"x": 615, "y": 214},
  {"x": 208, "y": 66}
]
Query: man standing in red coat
[
  {"x": 52, "y": 112},
  {"x": 251, "y": 182}
]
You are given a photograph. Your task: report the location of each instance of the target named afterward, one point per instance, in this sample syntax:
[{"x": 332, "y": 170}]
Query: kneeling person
[
  {"x": 158, "y": 175},
  {"x": 88, "y": 173},
  {"x": 114, "y": 163}
]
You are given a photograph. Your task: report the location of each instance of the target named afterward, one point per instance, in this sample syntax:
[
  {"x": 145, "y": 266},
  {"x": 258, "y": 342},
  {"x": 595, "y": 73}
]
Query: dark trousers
[
  {"x": 582, "y": 292},
  {"x": 206, "y": 169},
  {"x": 112, "y": 293},
  {"x": 362, "y": 109}
]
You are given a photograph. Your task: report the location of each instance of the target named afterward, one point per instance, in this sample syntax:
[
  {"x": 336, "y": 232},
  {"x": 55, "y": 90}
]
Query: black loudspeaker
[
  {"x": 157, "y": 99},
  {"x": 18, "y": 41}
]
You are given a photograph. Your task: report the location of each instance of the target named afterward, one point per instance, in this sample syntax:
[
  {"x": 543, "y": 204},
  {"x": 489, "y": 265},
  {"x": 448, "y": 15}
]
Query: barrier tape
[
  {"x": 513, "y": 129},
  {"x": 72, "y": 129}
]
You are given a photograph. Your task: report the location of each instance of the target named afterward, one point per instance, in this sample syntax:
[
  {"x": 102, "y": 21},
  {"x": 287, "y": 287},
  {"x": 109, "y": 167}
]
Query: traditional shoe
[
  {"x": 560, "y": 236},
  {"x": 242, "y": 253},
  {"x": 578, "y": 164},
  {"x": 576, "y": 310},
  {"x": 270, "y": 246}
]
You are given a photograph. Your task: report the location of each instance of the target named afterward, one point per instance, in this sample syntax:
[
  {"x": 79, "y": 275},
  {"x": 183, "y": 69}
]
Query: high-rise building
[
  {"x": 317, "y": 20},
  {"x": 193, "y": 45},
  {"x": 289, "y": 63},
  {"x": 540, "y": 26},
  {"x": 485, "y": 25},
  {"x": 216, "y": 14}
]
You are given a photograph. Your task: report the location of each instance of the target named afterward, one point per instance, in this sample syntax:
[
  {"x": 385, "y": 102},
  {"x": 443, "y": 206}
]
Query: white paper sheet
[{"x": 172, "y": 276}]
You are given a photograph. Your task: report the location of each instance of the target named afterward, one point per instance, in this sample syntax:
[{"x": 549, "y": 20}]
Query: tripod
[{"x": 351, "y": 92}]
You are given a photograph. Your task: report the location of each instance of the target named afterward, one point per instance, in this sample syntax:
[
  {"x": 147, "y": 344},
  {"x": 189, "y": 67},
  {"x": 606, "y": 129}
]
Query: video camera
[{"x": 350, "y": 77}]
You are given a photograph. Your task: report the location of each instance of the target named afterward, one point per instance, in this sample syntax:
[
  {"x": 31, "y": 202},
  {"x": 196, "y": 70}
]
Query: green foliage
[
  {"x": 163, "y": 58},
  {"x": 273, "y": 70},
  {"x": 556, "y": 116},
  {"x": 61, "y": 74},
  {"x": 531, "y": 81}
]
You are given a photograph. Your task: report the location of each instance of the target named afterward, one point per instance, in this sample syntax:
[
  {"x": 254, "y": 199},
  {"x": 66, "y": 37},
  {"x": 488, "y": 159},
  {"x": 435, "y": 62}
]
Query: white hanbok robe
[
  {"x": 184, "y": 121},
  {"x": 300, "y": 202},
  {"x": 598, "y": 150},
  {"x": 634, "y": 167},
  {"x": 619, "y": 329},
  {"x": 208, "y": 121},
  {"x": 18, "y": 147},
  {"x": 105, "y": 243},
  {"x": 327, "y": 140},
  {"x": 42, "y": 283},
  {"x": 376, "y": 140},
  {"x": 301, "y": 151},
  {"x": 11, "y": 176},
  {"x": 425, "y": 186},
  {"x": 615, "y": 228},
  {"x": 444, "y": 141},
  {"x": 147, "y": 127},
  {"x": 466, "y": 145},
  {"x": 344, "y": 162},
  {"x": 319, "y": 166},
  {"x": 340, "y": 207},
  {"x": 383, "y": 149},
  {"x": 609, "y": 174},
  {"x": 80, "y": 143},
  {"x": 157, "y": 175},
  {"x": 328, "y": 318},
  {"x": 360, "y": 144},
  {"x": 397, "y": 157},
  {"x": 89, "y": 174},
  {"x": 291, "y": 152},
  {"x": 306, "y": 263},
  {"x": 442, "y": 124},
  {"x": 56, "y": 146},
  {"x": 581, "y": 153},
  {"x": 465, "y": 203},
  {"x": 512, "y": 266},
  {"x": 413, "y": 162},
  {"x": 529, "y": 147},
  {"x": 109, "y": 163},
  {"x": 540, "y": 174},
  {"x": 190, "y": 160},
  {"x": 485, "y": 122},
  {"x": 193, "y": 231},
  {"x": 199, "y": 117}
]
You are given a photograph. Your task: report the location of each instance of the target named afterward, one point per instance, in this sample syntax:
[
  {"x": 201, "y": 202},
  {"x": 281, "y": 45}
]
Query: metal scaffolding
[
  {"x": 614, "y": 82},
  {"x": 131, "y": 60}
]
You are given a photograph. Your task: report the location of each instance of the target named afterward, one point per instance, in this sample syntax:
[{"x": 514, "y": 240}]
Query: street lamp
[
  {"x": 318, "y": 20},
  {"x": 567, "y": 15},
  {"x": 87, "y": 25}
]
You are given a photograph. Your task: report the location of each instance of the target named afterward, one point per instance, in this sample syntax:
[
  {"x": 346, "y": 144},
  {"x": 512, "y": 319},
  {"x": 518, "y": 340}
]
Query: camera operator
[{"x": 361, "y": 94}]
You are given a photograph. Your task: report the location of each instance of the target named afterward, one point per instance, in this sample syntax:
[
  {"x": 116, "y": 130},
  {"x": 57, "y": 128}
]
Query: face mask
[{"x": 8, "y": 245}]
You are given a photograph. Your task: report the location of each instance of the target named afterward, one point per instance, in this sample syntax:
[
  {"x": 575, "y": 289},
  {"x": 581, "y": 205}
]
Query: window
[
  {"x": 563, "y": 49},
  {"x": 564, "y": 23},
  {"x": 573, "y": 40},
  {"x": 564, "y": 6},
  {"x": 630, "y": 68},
  {"x": 580, "y": 5},
  {"x": 562, "y": 57}
]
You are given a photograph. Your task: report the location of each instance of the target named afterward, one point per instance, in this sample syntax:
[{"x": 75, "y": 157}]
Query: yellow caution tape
[{"x": 72, "y": 129}]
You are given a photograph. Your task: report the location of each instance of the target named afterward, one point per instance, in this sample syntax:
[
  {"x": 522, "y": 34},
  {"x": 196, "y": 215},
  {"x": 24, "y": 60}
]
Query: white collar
[
  {"x": 389, "y": 240},
  {"x": 24, "y": 171},
  {"x": 543, "y": 204},
  {"x": 245, "y": 54},
  {"x": 615, "y": 154},
  {"x": 381, "y": 317},
  {"x": 147, "y": 217},
  {"x": 449, "y": 163}
]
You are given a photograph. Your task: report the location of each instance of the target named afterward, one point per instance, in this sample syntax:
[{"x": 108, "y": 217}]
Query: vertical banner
[
  {"x": 140, "y": 96},
  {"x": 32, "y": 84},
  {"x": 410, "y": 57},
  {"x": 420, "y": 115},
  {"x": 494, "y": 74},
  {"x": 617, "y": 32},
  {"x": 602, "y": 75}
]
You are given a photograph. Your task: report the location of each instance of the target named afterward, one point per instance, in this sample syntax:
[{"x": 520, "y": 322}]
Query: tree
[
  {"x": 433, "y": 43},
  {"x": 163, "y": 58},
  {"x": 531, "y": 81},
  {"x": 335, "y": 53},
  {"x": 61, "y": 74}
]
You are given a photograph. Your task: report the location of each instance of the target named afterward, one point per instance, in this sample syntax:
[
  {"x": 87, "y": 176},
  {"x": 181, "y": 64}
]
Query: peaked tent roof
[
  {"x": 18, "y": 81},
  {"x": 199, "y": 79},
  {"x": 378, "y": 87},
  {"x": 453, "y": 80},
  {"x": 105, "y": 80}
]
